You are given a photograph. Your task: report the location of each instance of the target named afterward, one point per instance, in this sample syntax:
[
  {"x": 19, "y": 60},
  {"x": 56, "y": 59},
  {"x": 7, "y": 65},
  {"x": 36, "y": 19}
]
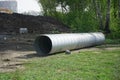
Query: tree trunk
[
  {"x": 62, "y": 7},
  {"x": 107, "y": 23},
  {"x": 119, "y": 9},
  {"x": 114, "y": 9},
  {"x": 98, "y": 12}
]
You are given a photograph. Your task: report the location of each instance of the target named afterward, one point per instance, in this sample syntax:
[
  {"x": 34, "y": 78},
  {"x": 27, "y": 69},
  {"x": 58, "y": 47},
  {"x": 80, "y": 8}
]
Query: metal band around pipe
[{"x": 52, "y": 43}]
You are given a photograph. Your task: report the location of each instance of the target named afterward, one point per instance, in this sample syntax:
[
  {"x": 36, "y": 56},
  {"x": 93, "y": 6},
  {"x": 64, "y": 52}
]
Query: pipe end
[{"x": 43, "y": 45}]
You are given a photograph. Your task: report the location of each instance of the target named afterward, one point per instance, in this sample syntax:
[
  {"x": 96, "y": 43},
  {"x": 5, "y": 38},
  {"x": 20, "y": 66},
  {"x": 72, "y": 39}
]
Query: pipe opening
[{"x": 43, "y": 45}]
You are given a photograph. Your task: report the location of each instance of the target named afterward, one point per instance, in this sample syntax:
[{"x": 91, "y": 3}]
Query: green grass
[{"x": 86, "y": 65}]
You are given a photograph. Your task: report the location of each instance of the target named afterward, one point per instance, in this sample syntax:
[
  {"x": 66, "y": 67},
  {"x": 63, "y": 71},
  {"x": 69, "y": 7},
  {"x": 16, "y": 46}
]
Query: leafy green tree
[
  {"x": 49, "y": 6},
  {"x": 86, "y": 15}
]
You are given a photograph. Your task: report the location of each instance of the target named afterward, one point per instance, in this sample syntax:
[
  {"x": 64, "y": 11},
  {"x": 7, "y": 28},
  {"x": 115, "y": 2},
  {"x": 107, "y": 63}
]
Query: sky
[{"x": 28, "y": 5}]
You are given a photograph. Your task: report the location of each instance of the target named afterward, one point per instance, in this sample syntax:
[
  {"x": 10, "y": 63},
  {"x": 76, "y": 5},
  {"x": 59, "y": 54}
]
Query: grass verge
[{"x": 86, "y": 65}]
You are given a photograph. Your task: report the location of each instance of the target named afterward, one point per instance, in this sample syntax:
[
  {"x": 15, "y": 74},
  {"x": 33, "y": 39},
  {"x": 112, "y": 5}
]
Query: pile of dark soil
[{"x": 11, "y": 23}]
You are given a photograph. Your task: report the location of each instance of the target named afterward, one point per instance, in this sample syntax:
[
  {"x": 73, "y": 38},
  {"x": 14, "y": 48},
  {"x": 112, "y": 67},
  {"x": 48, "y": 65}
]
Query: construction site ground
[{"x": 16, "y": 50}]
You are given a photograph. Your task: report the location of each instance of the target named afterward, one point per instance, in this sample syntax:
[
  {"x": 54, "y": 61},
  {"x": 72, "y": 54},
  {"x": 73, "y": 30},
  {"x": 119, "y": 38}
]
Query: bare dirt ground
[
  {"x": 14, "y": 53},
  {"x": 13, "y": 60}
]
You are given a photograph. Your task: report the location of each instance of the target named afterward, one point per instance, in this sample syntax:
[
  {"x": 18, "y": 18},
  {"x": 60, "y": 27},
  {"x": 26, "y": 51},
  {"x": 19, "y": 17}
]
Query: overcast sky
[{"x": 28, "y": 5}]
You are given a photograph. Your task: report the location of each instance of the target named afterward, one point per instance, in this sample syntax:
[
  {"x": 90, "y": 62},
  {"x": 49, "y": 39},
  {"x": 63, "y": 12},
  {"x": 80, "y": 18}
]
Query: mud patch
[
  {"x": 14, "y": 60},
  {"x": 11, "y": 66}
]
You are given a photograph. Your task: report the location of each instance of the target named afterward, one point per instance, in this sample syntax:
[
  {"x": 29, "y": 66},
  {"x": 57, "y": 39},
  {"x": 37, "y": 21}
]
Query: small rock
[
  {"x": 5, "y": 38},
  {"x": 67, "y": 52}
]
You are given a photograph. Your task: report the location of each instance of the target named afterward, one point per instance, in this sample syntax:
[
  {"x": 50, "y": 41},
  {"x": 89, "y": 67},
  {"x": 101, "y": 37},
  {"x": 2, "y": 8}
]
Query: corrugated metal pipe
[{"x": 52, "y": 43}]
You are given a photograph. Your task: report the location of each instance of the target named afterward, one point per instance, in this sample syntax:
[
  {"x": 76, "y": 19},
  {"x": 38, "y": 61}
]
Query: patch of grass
[{"x": 86, "y": 65}]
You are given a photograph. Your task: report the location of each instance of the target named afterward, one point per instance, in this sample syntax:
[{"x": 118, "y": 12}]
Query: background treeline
[{"x": 86, "y": 15}]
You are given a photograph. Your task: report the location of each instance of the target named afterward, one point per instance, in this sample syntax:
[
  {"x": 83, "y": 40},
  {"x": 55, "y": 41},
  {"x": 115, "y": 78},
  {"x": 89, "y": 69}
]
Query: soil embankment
[{"x": 11, "y": 23}]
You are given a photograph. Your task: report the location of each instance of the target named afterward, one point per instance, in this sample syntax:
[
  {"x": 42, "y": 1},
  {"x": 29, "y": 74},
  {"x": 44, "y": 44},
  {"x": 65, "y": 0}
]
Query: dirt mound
[{"x": 10, "y": 23}]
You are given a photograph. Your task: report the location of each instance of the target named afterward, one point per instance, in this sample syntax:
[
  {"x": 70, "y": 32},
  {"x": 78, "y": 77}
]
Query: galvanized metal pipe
[{"x": 52, "y": 43}]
